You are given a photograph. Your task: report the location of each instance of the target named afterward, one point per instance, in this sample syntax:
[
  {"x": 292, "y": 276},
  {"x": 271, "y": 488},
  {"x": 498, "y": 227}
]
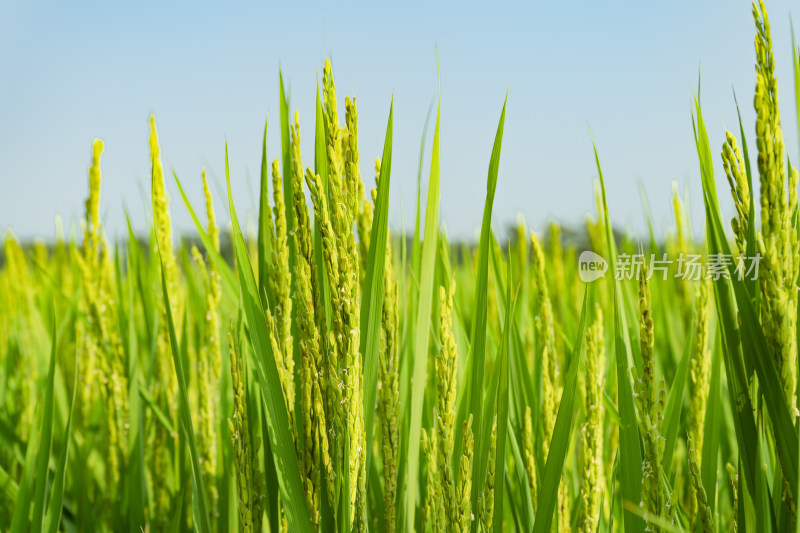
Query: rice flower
[
  {"x": 649, "y": 402},
  {"x": 165, "y": 389},
  {"x": 388, "y": 379},
  {"x": 238, "y": 424},
  {"x": 529, "y": 456},
  {"x": 463, "y": 506},
  {"x": 733, "y": 163},
  {"x": 547, "y": 344},
  {"x": 592, "y": 434},
  {"x": 485, "y": 508},
  {"x": 281, "y": 281},
  {"x": 704, "y": 511},
  {"x": 305, "y": 282},
  {"x": 681, "y": 244},
  {"x": 446, "y": 372},
  {"x": 778, "y": 236}
]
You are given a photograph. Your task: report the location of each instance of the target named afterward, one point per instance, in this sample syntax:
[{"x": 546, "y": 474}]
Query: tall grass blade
[
  {"x": 422, "y": 329},
  {"x": 548, "y": 492},
  {"x": 630, "y": 471},
  {"x": 200, "y": 502},
  {"x": 372, "y": 300},
  {"x": 264, "y": 218},
  {"x": 502, "y": 412},
  {"x": 478, "y": 336},
  {"x": 283, "y": 451}
]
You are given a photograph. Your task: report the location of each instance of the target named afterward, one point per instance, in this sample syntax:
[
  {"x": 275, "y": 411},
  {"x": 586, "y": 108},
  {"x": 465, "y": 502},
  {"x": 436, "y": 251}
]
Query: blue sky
[{"x": 69, "y": 74}]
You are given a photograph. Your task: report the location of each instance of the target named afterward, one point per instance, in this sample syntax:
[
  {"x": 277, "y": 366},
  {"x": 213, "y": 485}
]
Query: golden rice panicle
[
  {"x": 389, "y": 389},
  {"x": 699, "y": 374},
  {"x": 92, "y": 229},
  {"x": 559, "y": 279},
  {"x": 160, "y": 199},
  {"x": 99, "y": 345},
  {"x": 462, "y": 502},
  {"x": 681, "y": 222},
  {"x": 364, "y": 220},
  {"x": 353, "y": 186},
  {"x": 778, "y": 237},
  {"x": 339, "y": 393},
  {"x": 434, "y": 502},
  {"x": 335, "y": 132},
  {"x": 89, "y": 265},
  {"x": 485, "y": 502},
  {"x": 165, "y": 389},
  {"x": 330, "y": 250},
  {"x": 547, "y": 343},
  {"x": 592, "y": 433},
  {"x": 281, "y": 280},
  {"x": 680, "y": 246},
  {"x": 206, "y": 404},
  {"x": 302, "y": 233},
  {"x": 733, "y": 477},
  {"x": 213, "y": 290},
  {"x": 529, "y": 456},
  {"x": 21, "y": 294},
  {"x": 210, "y": 368},
  {"x": 704, "y": 511},
  {"x": 311, "y": 371},
  {"x": 238, "y": 425},
  {"x": 286, "y": 378},
  {"x": 521, "y": 248},
  {"x": 733, "y": 163},
  {"x": 649, "y": 402},
  {"x": 213, "y": 229},
  {"x": 335, "y": 215},
  {"x": 446, "y": 373}
]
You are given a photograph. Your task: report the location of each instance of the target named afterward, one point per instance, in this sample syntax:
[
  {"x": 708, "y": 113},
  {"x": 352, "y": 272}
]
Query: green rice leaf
[
  {"x": 264, "y": 218},
  {"x": 502, "y": 413},
  {"x": 226, "y": 274},
  {"x": 711, "y": 432},
  {"x": 672, "y": 411},
  {"x": 548, "y": 491},
  {"x": 478, "y": 336},
  {"x": 422, "y": 329},
  {"x": 630, "y": 471},
  {"x": 45, "y": 437},
  {"x": 372, "y": 301},
  {"x": 283, "y": 452},
  {"x": 54, "y": 507},
  {"x": 201, "y": 505}
]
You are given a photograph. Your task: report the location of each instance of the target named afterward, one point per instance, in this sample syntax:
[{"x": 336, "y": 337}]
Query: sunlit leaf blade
[
  {"x": 478, "y": 336},
  {"x": 54, "y": 506},
  {"x": 200, "y": 501},
  {"x": 422, "y": 329},
  {"x": 502, "y": 413},
  {"x": 672, "y": 411},
  {"x": 283, "y": 451},
  {"x": 44, "y": 443},
  {"x": 548, "y": 492},
  {"x": 264, "y": 218},
  {"x": 630, "y": 467},
  {"x": 227, "y": 275},
  {"x": 372, "y": 300}
]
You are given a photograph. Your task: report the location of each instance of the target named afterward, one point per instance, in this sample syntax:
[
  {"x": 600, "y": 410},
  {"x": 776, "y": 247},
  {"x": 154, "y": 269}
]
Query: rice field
[{"x": 326, "y": 373}]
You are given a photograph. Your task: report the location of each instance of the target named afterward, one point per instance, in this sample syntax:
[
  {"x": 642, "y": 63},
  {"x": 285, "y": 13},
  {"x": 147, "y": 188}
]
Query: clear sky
[{"x": 69, "y": 74}]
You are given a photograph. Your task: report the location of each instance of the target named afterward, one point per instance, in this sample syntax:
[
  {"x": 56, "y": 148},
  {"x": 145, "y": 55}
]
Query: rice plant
[{"x": 328, "y": 374}]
